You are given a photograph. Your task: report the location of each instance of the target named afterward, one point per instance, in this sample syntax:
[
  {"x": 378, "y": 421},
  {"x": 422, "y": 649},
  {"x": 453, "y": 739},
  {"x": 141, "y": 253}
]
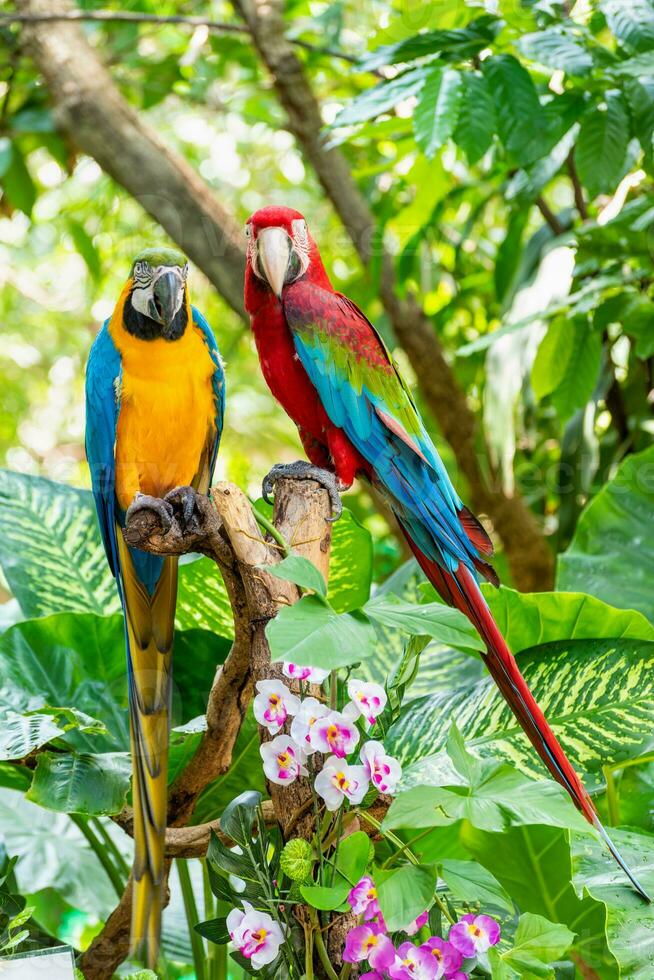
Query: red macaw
[{"x": 328, "y": 367}]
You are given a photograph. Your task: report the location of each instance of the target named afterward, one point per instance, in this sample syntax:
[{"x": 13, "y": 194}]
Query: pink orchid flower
[
  {"x": 315, "y": 675},
  {"x": 337, "y": 782},
  {"x": 414, "y": 963},
  {"x": 273, "y": 704},
  {"x": 384, "y": 772},
  {"x": 310, "y": 711},
  {"x": 363, "y": 899},
  {"x": 474, "y": 934},
  {"x": 446, "y": 954},
  {"x": 369, "y": 943},
  {"x": 418, "y": 923},
  {"x": 368, "y": 700},
  {"x": 334, "y": 733},
  {"x": 282, "y": 760},
  {"x": 255, "y": 934}
]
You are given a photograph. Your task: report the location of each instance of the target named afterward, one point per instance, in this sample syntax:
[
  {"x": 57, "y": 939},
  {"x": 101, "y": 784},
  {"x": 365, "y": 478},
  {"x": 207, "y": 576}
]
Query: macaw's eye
[
  {"x": 248, "y": 231},
  {"x": 294, "y": 266}
]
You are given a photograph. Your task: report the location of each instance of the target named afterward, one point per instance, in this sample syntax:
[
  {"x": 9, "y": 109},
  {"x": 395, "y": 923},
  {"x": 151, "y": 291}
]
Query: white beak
[{"x": 274, "y": 250}]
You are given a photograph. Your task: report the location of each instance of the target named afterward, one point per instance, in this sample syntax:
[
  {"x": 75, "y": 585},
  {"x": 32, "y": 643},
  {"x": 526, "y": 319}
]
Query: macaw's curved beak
[
  {"x": 274, "y": 248},
  {"x": 167, "y": 297}
]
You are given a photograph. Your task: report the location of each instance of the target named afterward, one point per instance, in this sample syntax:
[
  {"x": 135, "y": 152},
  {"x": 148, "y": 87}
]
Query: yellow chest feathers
[{"x": 166, "y": 421}]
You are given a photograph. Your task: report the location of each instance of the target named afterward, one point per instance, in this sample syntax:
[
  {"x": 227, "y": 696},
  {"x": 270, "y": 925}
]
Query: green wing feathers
[{"x": 150, "y": 627}]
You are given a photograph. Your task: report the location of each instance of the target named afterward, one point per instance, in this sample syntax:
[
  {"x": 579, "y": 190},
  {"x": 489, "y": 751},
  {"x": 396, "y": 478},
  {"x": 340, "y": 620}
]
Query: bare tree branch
[{"x": 530, "y": 558}]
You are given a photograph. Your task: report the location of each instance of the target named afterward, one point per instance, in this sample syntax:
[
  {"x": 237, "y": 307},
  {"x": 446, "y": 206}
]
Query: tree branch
[
  {"x": 227, "y": 532},
  {"x": 136, "y": 17},
  {"x": 530, "y": 558}
]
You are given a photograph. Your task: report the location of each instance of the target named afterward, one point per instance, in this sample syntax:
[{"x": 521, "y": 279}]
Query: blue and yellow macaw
[{"x": 155, "y": 397}]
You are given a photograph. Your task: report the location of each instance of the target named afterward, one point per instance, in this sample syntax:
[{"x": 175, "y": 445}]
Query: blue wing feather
[{"x": 415, "y": 478}]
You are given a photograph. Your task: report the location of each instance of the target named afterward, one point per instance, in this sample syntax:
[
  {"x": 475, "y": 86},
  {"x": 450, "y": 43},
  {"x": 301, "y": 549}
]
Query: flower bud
[{"x": 297, "y": 860}]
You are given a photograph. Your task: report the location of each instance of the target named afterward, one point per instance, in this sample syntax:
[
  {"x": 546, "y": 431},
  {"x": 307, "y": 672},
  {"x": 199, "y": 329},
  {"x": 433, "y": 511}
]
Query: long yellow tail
[{"x": 150, "y": 627}]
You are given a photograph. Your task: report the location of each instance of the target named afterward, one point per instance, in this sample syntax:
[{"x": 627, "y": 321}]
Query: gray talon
[
  {"x": 161, "y": 507},
  {"x": 301, "y": 470},
  {"x": 183, "y": 498}
]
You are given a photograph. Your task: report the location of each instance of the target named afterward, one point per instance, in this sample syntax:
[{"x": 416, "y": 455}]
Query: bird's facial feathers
[
  {"x": 279, "y": 246},
  {"x": 157, "y": 303}
]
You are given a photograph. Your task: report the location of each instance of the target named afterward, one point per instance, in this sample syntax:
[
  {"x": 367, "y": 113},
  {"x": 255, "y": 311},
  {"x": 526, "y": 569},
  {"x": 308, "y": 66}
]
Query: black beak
[{"x": 166, "y": 297}]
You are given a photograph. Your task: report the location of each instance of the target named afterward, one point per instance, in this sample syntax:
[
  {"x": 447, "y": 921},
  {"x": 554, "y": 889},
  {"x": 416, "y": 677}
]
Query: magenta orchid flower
[
  {"x": 273, "y": 704},
  {"x": 363, "y": 899},
  {"x": 418, "y": 923},
  {"x": 310, "y": 711},
  {"x": 368, "y": 700},
  {"x": 334, "y": 733},
  {"x": 255, "y": 934},
  {"x": 369, "y": 943},
  {"x": 282, "y": 760},
  {"x": 314, "y": 675},
  {"x": 337, "y": 782},
  {"x": 474, "y": 934},
  {"x": 415, "y": 963},
  {"x": 384, "y": 772},
  {"x": 371, "y": 975},
  {"x": 447, "y": 955}
]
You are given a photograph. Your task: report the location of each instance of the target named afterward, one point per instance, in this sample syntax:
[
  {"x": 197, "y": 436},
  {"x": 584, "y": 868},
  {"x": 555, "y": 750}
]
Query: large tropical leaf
[
  {"x": 533, "y": 865},
  {"x": 520, "y": 118},
  {"x": 86, "y": 783},
  {"x": 629, "y": 920},
  {"x": 612, "y": 552},
  {"x": 597, "y": 694},
  {"x": 50, "y": 548},
  {"x": 53, "y": 854}
]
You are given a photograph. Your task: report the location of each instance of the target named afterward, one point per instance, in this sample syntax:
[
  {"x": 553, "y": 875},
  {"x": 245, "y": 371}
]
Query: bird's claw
[
  {"x": 301, "y": 470},
  {"x": 161, "y": 508},
  {"x": 183, "y": 501}
]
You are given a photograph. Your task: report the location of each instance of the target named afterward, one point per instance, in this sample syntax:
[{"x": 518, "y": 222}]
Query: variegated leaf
[{"x": 597, "y": 694}]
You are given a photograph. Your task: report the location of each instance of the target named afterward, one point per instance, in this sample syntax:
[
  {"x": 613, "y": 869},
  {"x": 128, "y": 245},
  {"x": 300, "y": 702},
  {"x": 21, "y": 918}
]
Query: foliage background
[{"x": 511, "y": 176}]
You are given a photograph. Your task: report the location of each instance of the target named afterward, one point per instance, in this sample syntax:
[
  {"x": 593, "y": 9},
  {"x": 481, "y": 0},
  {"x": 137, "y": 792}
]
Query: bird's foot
[
  {"x": 301, "y": 470},
  {"x": 164, "y": 510},
  {"x": 183, "y": 501}
]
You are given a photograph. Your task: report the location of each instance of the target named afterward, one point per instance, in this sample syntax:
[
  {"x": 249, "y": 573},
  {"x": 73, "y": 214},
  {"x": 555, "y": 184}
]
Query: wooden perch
[{"x": 226, "y": 531}]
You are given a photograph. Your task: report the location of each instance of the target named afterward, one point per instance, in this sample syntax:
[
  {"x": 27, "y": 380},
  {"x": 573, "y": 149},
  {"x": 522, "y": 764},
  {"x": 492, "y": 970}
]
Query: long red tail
[{"x": 462, "y": 591}]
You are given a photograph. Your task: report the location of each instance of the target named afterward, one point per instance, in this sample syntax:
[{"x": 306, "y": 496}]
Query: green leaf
[
  {"x": 215, "y": 930},
  {"x": 350, "y": 564},
  {"x": 476, "y": 123},
  {"x": 597, "y": 694},
  {"x": 532, "y": 619},
  {"x": 632, "y": 22},
  {"x": 501, "y": 797},
  {"x": 433, "y": 619},
  {"x": 351, "y": 863},
  {"x": 17, "y": 182},
  {"x": 558, "y": 48},
  {"x": 6, "y": 153},
  {"x": 612, "y": 552},
  {"x": 601, "y": 153},
  {"x": 537, "y": 943},
  {"x": 533, "y": 865},
  {"x": 461, "y": 43},
  {"x": 85, "y": 247},
  {"x": 311, "y": 633},
  {"x": 81, "y": 783},
  {"x": 629, "y": 920},
  {"x": 202, "y": 599},
  {"x": 239, "y": 816},
  {"x": 567, "y": 364},
  {"x": 404, "y": 894},
  {"x": 437, "y": 112},
  {"x": 470, "y": 882},
  {"x": 53, "y": 854},
  {"x": 301, "y": 572},
  {"x": 520, "y": 118},
  {"x": 20, "y": 734},
  {"x": 50, "y": 548},
  {"x": 382, "y": 97},
  {"x": 640, "y": 96}
]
